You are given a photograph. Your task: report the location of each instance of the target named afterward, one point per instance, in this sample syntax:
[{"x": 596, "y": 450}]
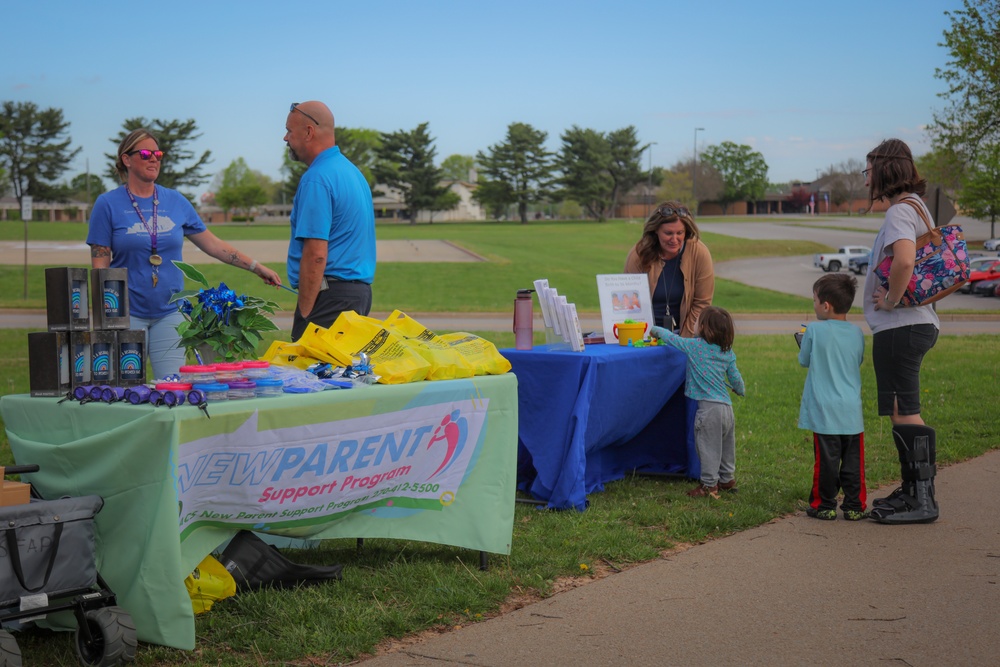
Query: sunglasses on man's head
[
  {"x": 145, "y": 154},
  {"x": 670, "y": 211},
  {"x": 295, "y": 107}
]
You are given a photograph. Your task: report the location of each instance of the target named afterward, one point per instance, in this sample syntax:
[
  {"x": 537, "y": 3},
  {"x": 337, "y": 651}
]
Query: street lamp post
[
  {"x": 649, "y": 185},
  {"x": 694, "y": 169}
]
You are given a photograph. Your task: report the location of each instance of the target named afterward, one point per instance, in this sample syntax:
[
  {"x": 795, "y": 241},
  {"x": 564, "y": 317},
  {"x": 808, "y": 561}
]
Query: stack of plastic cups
[
  {"x": 269, "y": 387},
  {"x": 239, "y": 389},
  {"x": 254, "y": 370},
  {"x": 224, "y": 372},
  {"x": 211, "y": 391},
  {"x": 196, "y": 374}
]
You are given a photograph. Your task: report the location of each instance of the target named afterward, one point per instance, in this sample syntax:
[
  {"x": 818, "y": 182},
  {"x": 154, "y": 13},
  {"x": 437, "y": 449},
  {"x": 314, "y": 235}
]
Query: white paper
[
  {"x": 541, "y": 291},
  {"x": 623, "y": 296},
  {"x": 564, "y": 322},
  {"x": 553, "y": 297},
  {"x": 577, "y": 341}
]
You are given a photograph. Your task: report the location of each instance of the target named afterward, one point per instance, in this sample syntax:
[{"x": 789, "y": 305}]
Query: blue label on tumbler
[
  {"x": 100, "y": 364},
  {"x": 81, "y": 364},
  {"x": 113, "y": 297},
  {"x": 77, "y": 304},
  {"x": 130, "y": 362}
]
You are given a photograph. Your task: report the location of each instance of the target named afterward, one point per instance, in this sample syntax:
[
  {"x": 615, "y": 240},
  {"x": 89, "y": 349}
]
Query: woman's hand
[
  {"x": 880, "y": 299},
  {"x": 268, "y": 275}
]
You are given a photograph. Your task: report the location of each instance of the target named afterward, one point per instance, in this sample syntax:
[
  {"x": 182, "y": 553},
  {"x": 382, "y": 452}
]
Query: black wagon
[{"x": 47, "y": 565}]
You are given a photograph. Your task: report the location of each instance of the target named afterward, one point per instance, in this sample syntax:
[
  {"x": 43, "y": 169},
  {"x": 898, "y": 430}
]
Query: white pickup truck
[{"x": 835, "y": 261}]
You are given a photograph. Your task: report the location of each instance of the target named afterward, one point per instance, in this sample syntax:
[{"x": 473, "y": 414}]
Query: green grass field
[
  {"x": 568, "y": 254},
  {"x": 395, "y": 588}
]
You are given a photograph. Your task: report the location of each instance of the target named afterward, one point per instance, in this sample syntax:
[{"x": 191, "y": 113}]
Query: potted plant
[{"x": 219, "y": 324}]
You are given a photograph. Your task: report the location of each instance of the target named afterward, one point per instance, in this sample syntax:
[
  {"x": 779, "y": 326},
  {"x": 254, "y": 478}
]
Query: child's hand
[{"x": 658, "y": 332}]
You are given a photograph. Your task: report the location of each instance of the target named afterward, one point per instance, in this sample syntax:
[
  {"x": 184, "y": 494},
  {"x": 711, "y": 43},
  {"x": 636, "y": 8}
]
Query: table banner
[{"x": 298, "y": 478}]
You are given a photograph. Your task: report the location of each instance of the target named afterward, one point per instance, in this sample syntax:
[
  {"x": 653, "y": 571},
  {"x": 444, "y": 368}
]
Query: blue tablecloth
[{"x": 586, "y": 418}]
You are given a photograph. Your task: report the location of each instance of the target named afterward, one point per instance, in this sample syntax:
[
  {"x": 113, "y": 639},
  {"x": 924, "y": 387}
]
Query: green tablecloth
[{"x": 430, "y": 461}]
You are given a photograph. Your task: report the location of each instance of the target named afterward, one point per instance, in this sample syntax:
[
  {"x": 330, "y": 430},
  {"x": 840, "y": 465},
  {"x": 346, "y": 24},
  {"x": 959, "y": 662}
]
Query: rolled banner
[
  {"x": 138, "y": 394},
  {"x": 113, "y": 394},
  {"x": 82, "y": 392}
]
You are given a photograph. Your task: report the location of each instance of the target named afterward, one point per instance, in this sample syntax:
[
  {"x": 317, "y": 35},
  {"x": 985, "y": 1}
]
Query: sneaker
[
  {"x": 822, "y": 515},
  {"x": 702, "y": 491},
  {"x": 728, "y": 487},
  {"x": 855, "y": 515}
]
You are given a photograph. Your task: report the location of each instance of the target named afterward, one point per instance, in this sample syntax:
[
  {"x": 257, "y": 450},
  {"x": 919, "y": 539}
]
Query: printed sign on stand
[{"x": 623, "y": 296}]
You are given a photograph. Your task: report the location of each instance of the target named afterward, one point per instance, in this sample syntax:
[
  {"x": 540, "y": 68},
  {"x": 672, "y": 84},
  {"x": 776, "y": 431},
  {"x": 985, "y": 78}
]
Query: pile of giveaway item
[{"x": 72, "y": 353}]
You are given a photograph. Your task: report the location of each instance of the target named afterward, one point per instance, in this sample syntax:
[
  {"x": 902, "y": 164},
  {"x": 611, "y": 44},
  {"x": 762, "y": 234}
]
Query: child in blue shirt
[
  {"x": 711, "y": 373},
  {"x": 832, "y": 349}
]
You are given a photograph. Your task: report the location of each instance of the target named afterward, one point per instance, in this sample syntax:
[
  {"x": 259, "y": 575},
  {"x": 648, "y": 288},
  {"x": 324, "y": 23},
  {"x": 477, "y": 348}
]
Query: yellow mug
[{"x": 632, "y": 331}]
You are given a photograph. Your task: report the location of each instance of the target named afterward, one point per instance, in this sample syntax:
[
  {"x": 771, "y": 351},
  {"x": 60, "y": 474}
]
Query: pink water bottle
[{"x": 523, "y": 319}]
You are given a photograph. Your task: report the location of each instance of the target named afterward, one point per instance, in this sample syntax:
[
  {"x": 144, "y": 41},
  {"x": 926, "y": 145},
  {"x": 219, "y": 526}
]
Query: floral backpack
[{"x": 941, "y": 266}]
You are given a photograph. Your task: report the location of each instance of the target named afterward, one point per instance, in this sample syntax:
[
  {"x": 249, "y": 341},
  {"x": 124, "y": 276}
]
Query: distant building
[
  {"x": 387, "y": 201},
  {"x": 68, "y": 211}
]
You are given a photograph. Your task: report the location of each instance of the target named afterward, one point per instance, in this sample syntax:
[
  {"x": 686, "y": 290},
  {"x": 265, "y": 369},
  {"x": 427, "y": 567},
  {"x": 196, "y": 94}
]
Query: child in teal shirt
[
  {"x": 832, "y": 349},
  {"x": 711, "y": 373}
]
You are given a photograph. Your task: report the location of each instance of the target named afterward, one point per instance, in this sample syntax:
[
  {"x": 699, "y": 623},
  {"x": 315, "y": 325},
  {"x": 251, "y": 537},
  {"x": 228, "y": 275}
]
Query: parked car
[
  {"x": 980, "y": 269},
  {"x": 835, "y": 261},
  {"x": 992, "y": 244},
  {"x": 859, "y": 264},
  {"x": 986, "y": 287}
]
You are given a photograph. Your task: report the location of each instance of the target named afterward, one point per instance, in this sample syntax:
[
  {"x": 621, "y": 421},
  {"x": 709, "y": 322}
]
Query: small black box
[
  {"x": 104, "y": 357},
  {"x": 131, "y": 351},
  {"x": 109, "y": 294},
  {"x": 48, "y": 363},
  {"x": 66, "y": 299}
]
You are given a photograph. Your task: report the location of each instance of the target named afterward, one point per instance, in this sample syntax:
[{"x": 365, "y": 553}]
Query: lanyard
[{"x": 151, "y": 229}]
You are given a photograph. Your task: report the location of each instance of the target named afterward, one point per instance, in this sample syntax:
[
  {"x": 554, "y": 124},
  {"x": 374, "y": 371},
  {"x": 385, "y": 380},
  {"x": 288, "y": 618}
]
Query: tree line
[{"x": 592, "y": 168}]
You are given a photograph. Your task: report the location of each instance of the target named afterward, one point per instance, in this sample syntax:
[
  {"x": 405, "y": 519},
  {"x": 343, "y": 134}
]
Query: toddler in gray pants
[{"x": 711, "y": 373}]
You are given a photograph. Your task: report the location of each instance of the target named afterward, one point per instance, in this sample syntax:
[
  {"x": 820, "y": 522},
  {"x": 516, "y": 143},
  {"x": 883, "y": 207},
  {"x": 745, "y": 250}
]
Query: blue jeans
[{"x": 162, "y": 343}]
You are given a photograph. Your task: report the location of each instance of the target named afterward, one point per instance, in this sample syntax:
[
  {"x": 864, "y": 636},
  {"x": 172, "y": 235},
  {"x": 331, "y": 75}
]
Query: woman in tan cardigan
[{"x": 678, "y": 265}]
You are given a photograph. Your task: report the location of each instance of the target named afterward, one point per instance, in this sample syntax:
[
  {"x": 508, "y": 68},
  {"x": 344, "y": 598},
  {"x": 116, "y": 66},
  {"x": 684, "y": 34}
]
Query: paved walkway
[{"x": 796, "y": 591}]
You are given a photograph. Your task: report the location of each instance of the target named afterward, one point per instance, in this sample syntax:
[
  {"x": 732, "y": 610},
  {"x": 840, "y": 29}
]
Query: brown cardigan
[{"x": 699, "y": 281}]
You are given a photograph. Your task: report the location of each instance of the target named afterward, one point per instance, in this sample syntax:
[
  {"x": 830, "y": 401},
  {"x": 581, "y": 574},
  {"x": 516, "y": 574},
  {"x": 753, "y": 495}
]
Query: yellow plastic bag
[
  {"x": 314, "y": 341},
  {"x": 282, "y": 353},
  {"x": 392, "y": 360},
  {"x": 446, "y": 363},
  {"x": 481, "y": 353},
  {"x": 209, "y": 583}
]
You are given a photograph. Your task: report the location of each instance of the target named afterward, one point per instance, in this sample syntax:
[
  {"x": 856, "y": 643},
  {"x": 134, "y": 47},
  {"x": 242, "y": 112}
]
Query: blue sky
[{"x": 807, "y": 84}]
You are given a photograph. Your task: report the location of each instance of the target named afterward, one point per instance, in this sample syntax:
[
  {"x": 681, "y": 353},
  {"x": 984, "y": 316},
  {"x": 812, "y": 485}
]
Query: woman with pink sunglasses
[{"x": 141, "y": 226}]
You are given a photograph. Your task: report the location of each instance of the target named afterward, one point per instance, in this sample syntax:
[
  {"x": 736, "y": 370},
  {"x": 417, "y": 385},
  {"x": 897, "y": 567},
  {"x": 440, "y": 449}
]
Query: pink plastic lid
[
  {"x": 256, "y": 364},
  {"x": 207, "y": 368},
  {"x": 173, "y": 386},
  {"x": 228, "y": 366}
]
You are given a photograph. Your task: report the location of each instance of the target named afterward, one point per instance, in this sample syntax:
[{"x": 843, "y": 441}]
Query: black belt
[{"x": 329, "y": 279}]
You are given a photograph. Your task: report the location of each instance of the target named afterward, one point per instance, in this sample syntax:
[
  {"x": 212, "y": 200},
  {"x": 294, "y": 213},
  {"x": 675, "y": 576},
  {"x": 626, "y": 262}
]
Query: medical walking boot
[
  {"x": 905, "y": 473},
  {"x": 914, "y": 501}
]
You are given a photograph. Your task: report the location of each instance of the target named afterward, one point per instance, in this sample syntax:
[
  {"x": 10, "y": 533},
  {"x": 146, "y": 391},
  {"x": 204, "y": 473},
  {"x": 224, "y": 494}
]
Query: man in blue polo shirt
[{"x": 331, "y": 254}]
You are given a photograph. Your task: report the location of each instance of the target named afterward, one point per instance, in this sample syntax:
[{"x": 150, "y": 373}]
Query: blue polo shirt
[{"x": 333, "y": 202}]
